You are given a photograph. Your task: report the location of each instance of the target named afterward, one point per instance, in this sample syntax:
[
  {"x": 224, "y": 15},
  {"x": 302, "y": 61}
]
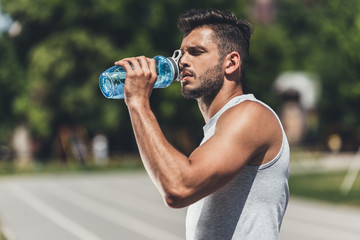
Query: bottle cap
[{"x": 174, "y": 60}]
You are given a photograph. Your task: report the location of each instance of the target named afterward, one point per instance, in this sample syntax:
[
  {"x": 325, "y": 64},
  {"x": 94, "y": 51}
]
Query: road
[{"x": 127, "y": 206}]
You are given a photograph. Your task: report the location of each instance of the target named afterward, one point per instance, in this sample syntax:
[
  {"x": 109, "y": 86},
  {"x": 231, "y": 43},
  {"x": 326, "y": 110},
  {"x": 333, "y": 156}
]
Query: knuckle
[
  {"x": 146, "y": 72},
  {"x": 131, "y": 74},
  {"x": 140, "y": 58}
]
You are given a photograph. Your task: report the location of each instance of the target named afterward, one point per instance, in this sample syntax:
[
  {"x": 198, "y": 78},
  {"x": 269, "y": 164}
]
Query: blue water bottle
[{"x": 113, "y": 79}]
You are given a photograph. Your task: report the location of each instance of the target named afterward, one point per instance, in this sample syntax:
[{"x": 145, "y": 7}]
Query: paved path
[
  {"x": 127, "y": 206},
  {"x": 319, "y": 221}
]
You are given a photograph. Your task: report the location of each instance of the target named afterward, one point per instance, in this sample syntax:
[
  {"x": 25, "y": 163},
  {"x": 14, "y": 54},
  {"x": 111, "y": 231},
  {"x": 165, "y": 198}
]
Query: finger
[
  {"x": 120, "y": 62},
  {"x": 125, "y": 64},
  {"x": 143, "y": 61},
  {"x": 145, "y": 66},
  {"x": 135, "y": 63},
  {"x": 152, "y": 67}
]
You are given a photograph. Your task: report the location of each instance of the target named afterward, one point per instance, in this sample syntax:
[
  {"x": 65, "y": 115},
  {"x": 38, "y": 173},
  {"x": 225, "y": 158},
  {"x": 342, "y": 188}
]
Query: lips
[{"x": 185, "y": 74}]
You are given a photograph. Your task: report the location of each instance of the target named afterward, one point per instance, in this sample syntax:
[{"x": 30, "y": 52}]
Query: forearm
[{"x": 165, "y": 165}]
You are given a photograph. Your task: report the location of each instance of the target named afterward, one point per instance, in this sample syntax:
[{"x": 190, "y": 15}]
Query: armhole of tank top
[
  {"x": 279, "y": 154},
  {"x": 277, "y": 157}
]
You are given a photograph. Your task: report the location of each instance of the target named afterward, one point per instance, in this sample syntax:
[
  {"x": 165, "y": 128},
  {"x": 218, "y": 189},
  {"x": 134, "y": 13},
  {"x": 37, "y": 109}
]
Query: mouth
[{"x": 186, "y": 74}]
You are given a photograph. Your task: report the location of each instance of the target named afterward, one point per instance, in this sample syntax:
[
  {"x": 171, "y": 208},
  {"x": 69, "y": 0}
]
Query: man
[{"x": 235, "y": 182}]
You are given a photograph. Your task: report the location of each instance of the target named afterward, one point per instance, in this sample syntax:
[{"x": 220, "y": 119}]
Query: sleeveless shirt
[{"x": 252, "y": 205}]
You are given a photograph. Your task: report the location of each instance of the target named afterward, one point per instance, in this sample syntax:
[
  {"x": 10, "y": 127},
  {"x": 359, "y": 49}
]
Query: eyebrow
[{"x": 196, "y": 47}]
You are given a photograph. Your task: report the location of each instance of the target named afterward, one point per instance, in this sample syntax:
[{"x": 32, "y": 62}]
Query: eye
[{"x": 195, "y": 51}]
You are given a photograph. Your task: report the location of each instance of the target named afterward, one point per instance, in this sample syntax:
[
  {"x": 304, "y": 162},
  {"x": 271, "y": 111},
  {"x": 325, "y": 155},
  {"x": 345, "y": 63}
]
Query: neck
[{"x": 209, "y": 108}]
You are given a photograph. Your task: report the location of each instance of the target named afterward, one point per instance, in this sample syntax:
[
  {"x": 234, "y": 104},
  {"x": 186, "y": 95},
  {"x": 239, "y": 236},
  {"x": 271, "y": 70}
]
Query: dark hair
[{"x": 230, "y": 34}]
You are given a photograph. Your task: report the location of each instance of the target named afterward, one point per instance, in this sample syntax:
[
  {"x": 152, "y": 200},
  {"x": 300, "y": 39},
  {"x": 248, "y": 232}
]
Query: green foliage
[
  {"x": 50, "y": 71},
  {"x": 61, "y": 89},
  {"x": 325, "y": 187},
  {"x": 326, "y": 40},
  {"x": 267, "y": 59},
  {"x": 12, "y": 82}
]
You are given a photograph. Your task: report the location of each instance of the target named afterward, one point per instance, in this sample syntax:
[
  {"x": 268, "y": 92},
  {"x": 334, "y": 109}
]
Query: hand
[{"x": 140, "y": 78}]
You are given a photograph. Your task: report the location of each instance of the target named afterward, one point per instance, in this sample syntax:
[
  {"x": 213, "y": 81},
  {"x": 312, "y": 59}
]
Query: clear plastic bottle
[{"x": 113, "y": 79}]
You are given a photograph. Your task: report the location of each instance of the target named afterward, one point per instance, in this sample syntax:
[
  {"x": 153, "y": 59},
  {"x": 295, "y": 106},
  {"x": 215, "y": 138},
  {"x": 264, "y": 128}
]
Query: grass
[
  {"x": 123, "y": 163},
  {"x": 325, "y": 187}
]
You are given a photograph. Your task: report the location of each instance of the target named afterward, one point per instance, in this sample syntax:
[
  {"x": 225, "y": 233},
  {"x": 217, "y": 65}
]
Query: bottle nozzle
[{"x": 175, "y": 62}]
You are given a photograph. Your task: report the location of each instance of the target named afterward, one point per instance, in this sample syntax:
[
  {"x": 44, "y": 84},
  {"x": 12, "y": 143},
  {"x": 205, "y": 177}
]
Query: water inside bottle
[
  {"x": 112, "y": 82},
  {"x": 164, "y": 72}
]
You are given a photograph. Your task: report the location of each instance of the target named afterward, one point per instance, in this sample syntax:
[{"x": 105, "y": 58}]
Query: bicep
[
  {"x": 222, "y": 154},
  {"x": 242, "y": 134},
  {"x": 219, "y": 159}
]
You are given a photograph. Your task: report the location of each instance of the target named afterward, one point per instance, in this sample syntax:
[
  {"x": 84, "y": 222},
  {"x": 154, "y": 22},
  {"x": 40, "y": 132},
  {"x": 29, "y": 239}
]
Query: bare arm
[{"x": 167, "y": 167}]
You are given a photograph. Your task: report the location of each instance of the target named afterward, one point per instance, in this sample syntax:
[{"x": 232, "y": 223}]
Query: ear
[{"x": 232, "y": 63}]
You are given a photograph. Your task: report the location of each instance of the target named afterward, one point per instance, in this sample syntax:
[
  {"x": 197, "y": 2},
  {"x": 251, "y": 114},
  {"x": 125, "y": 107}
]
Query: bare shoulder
[
  {"x": 253, "y": 124},
  {"x": 250, "y": 113}
]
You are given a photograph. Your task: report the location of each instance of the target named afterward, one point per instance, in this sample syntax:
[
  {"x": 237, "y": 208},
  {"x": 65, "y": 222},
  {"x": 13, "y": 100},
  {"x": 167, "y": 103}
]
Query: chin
[{"x": 190, "y": 93}]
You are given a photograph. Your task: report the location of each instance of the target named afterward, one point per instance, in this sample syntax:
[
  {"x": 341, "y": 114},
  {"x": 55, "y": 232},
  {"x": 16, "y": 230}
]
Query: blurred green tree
[
  {"x": 13, "y": 82},
  {"x": 50, "y": 71},
  {"x": 325, "y": 36},
  {"x": 65, "y": 45},
  {"x": 322, "y": 37}
]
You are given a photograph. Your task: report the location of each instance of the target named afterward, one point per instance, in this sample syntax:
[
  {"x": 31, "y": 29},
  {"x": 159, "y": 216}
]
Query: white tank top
[{"x": 251, "y": 206}]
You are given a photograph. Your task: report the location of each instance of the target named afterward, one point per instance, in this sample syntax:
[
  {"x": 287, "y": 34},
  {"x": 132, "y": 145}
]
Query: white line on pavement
[
  {"x": 112, "y": 214},
  {"x": 129, "y": 200},
  {"x": 50, "y": 213}
]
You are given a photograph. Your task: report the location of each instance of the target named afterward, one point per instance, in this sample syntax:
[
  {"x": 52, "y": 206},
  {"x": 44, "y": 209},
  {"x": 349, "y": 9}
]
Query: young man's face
[{"x": 201, "y": 71}]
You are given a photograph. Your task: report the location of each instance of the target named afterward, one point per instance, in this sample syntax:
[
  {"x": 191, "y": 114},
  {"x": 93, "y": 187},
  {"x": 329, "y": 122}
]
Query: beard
[{"x": 210, "y": 83}]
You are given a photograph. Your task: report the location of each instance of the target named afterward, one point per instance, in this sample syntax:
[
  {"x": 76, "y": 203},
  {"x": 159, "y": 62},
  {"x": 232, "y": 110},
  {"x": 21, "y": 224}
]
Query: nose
[{"x": 184, "y": 60}]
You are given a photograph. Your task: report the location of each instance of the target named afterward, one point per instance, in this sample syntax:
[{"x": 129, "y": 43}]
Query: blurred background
[{"x": 304, "y": 62}]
